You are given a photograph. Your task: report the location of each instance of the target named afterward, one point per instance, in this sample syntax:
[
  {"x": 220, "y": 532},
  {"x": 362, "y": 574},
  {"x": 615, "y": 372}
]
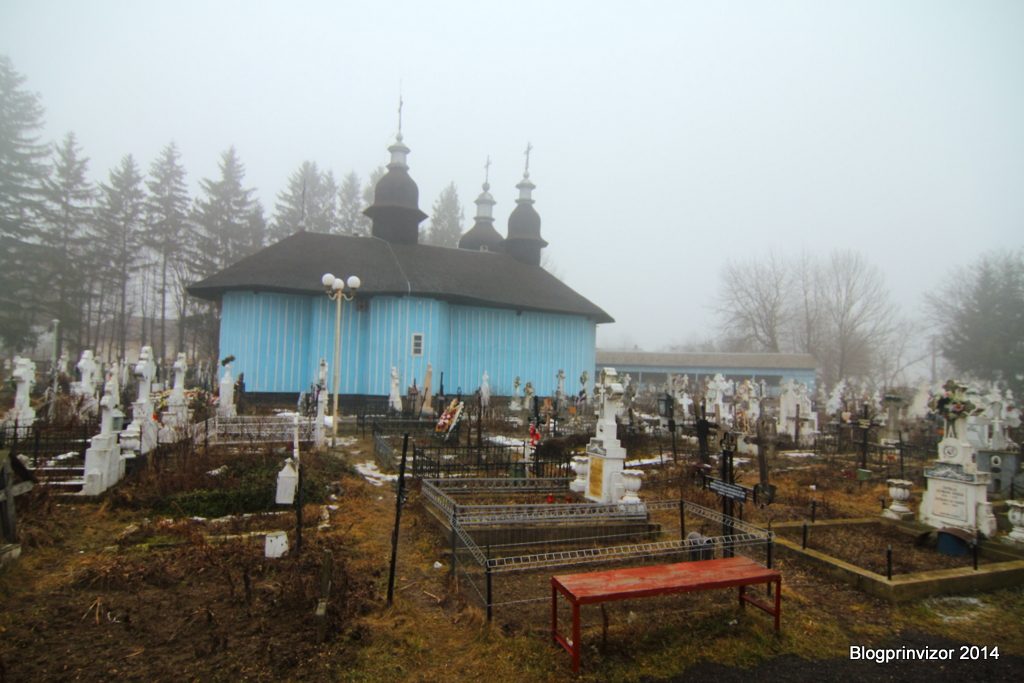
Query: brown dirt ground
[{"x": 166, "y": 601}]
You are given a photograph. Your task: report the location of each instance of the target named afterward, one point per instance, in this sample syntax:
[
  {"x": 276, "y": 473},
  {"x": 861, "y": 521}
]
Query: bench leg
[
  {"x": 554, "y": 612},
  {"x": 743, "y": 592},
  {"x": 778, "y": 603},
  {"x": 575, "y": 637}
]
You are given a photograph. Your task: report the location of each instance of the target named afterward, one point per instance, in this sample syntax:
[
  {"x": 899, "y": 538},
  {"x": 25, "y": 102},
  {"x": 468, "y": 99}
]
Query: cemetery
[{"x": 533, "y": 515}]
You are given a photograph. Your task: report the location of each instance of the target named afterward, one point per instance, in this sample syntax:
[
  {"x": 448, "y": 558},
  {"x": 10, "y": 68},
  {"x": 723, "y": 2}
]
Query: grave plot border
[
  {"x": 479, "y": 565},
  {"x": 916, "y": 585}
]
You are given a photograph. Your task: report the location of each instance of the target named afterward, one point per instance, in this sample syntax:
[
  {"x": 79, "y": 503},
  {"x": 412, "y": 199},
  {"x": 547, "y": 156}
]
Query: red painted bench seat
[{"x": 640, "y": 582}]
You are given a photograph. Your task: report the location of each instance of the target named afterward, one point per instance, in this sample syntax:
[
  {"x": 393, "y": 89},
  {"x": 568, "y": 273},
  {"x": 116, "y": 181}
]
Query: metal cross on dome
[{"x": 529, "y": 148}]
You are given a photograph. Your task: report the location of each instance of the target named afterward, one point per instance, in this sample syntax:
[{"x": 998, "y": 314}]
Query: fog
[{"x": 668, "y": 137}]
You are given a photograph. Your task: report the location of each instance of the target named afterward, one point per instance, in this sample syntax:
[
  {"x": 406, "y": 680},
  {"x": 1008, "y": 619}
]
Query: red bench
[{"x": 639, "y": 582}]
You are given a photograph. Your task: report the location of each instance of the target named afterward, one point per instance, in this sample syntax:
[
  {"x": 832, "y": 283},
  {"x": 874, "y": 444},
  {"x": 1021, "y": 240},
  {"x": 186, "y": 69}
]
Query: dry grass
[{"x": 91, "y": 599}]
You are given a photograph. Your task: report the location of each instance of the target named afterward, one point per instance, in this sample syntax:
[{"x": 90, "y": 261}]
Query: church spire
[{"x": 395, "y": 212}]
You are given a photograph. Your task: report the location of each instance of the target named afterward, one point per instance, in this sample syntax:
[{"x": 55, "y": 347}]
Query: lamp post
[{"x": 338, "y": 289}]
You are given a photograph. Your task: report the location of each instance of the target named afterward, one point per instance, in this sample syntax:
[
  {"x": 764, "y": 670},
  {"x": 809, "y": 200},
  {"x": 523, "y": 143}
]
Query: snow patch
[{"x": 373, "y": 475}]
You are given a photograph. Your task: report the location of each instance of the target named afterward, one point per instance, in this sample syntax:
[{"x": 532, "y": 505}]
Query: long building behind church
[{"x": 487, "y": 306}]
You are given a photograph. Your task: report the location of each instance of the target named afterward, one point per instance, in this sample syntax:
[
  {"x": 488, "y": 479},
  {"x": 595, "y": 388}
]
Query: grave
[
  {"x": 24, "y": 376},
  {"x": 141, "y": 433},
  {"x": 796, "y": 418},
  {"x": 957, "y": 492},
  {"x": 607, "y": 479},
  {"x": 176, "y": 418},
  {"x": 104, "y": 465},
  {"x": 85, "y": 388},
  {"x": 226, "y": 399}
]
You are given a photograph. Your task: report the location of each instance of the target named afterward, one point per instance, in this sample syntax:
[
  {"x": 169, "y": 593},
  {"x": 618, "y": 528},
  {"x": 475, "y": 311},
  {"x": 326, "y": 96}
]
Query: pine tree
[
  {"x": 980, "y": 316},
  {"x": 66, "y": 214},
  {"x": 167, "y": 226},
  {"x": 119, "y": 236},
  {"x": 446, "y": 219},
  {"x": 310, "y": 201},
  {"x": 224, "y": 217},
  {"x": 351, "y": 220},
  {"x": 230, "y": 226},
  {"x": 22, "y": 172}
]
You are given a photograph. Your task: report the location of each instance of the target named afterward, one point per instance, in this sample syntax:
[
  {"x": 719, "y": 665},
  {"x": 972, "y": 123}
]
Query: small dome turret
[
  {"x": 482, "y": 236},
  {"x": 524, "y": 241},
  {"x": 395, "y": 211}
]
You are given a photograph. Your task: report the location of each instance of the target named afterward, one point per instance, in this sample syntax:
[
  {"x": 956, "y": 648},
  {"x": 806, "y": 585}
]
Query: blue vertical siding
[
  {"x": 505, "y": 344},
  {"x": 279, "y": 339},
  {"x": 265, "y": 332}
]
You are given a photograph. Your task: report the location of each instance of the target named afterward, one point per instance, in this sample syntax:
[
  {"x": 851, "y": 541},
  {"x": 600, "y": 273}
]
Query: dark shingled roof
[{"x": 295, "y": 264}]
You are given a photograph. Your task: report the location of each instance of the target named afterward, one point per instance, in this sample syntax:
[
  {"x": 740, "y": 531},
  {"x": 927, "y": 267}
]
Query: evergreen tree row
[{"x": 110, "y": 260}]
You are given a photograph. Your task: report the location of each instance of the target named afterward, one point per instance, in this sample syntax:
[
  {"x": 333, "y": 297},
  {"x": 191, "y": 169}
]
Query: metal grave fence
[
  {"x": 250, "y": 430},
  {"x": 504, "y": 555}
]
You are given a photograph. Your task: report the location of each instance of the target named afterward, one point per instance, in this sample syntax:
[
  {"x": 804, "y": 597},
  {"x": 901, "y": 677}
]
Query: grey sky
[{"x": 668, "y": 136}]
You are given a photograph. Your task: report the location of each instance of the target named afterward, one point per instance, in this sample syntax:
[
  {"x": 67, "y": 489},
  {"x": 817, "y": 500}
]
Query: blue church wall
[
  {"x": 506, "y": 343},
  {"x": 279, "y": 339},
  {"x": 259, "y": 329}
]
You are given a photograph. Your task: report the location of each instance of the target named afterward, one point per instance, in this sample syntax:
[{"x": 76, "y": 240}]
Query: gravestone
[
  {"x": 104, "y": 466},
  {"x": 485, "y": 391},
  {"x": 528, "y": 397},
  {"x": 515, "y": 405},
  {"x": 957, "y": 492},
  {"x": 428, "y": 398},
  {"x": 395, "y": 395},
  {"x": 796, "y": 418},
  {"x": 176, "y": 415},
  {"x": 891, "y": 429},
  {"x": 140, "y": 435},
  {"x": 607, "y": 482},
  {"x": 89, "y": 375},
  {"x": 24, "y": 376},
  {"x": 226, "y": 399}
]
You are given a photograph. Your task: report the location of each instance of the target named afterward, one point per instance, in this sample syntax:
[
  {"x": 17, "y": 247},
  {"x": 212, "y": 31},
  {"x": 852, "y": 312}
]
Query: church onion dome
[
  {"x": 396, "y": 187},
  {"x": 524, "y": 221},
  {"x": 524, "y": 241},
  {"x": 395, "y": 212},
  {"x": 482, "y": 236}
]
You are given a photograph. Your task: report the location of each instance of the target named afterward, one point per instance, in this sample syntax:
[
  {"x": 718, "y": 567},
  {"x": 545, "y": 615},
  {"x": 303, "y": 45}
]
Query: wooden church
[{"x": 487, "y": 306}]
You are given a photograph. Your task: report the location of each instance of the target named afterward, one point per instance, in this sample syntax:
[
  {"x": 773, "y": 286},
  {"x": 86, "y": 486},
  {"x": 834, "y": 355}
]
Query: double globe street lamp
[{"x": 338, "y": 289}]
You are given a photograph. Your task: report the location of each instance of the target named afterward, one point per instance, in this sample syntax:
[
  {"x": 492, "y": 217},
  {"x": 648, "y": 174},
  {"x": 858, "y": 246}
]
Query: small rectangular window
[{"x": 417, "y": 344}]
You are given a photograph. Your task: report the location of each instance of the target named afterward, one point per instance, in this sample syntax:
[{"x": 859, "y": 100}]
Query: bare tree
[
  {"x": 859, "y": 316},
  {"x": 754, "y": 303},
  {"x": 836, "y": 309}
]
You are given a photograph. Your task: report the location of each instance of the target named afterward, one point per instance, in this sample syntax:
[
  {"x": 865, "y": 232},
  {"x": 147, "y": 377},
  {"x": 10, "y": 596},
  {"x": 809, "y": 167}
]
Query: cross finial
[
  {"x": 487, "y": 170},
  {"x": 400, "y": 112},
  {"x": 529, "y": 147}
]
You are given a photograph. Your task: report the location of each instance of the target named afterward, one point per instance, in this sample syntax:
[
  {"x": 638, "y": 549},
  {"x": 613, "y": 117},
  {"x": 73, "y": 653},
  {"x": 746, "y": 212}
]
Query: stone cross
[
  {"x": 395, "y": 397},
  {"x": 180, "y": 367},
  {"x": 485, "y": 390},
  {"x": 108, "y": 404},
  {"x": 89, "y": 370},
  {"x": 226, "y": 401},
  {"x": 428, "y": 398},
  {"x": 25, "y": 378},
  {"x": 145, "y": 369}
]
